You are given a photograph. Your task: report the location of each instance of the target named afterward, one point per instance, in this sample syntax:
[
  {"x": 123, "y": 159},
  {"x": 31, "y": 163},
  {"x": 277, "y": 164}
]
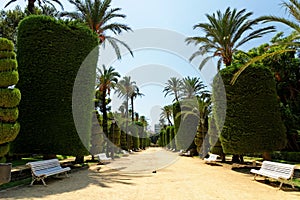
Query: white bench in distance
[
  {"x": 102, "y": 157},
  {"x": 211, "y": 159},
  {"x": 125, "y": 153},
  {"x": 44, "y": 168},
  {"x": 282, "y": 172}
]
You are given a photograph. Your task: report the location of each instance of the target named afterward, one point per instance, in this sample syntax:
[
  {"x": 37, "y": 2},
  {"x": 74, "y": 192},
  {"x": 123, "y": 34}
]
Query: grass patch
[
  {"x": 15, "y": 183},
  {"x": 296, "y": 182}
]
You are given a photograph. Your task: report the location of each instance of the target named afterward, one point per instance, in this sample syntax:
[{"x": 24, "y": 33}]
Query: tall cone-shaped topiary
[
  {"x": 9, "y": 96},
  {"x": 253, "y": 120}
]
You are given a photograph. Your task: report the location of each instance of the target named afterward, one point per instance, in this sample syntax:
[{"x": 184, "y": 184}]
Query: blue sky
[{"x": 178, "y": 16}]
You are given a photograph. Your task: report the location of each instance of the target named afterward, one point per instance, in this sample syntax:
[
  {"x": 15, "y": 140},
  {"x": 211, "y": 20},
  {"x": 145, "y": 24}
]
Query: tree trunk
[
  {"x": 79, "y": 159},
  {"x": 236, "y": 158},
  {"x": 132, "y": 111},
  {"x": 30, "y": 6},
  {"x": 104, "y": 123},
  {"x": 266, "y": 156},
  {"x": 126, "y": 126}
]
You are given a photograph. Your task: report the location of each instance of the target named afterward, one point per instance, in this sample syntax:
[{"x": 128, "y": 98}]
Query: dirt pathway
[{"x": 131, "y": 178}]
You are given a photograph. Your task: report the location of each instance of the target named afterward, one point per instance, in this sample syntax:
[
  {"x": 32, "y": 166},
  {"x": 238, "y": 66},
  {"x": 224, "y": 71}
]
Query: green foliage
[
  {"x": 4, "y": 149},
  {"x": 214, "y": 141},
  {"x": 253, "y": 123},
  {"x": 8, "y": 78},
  {"x": 133, "y": 129},
  {"x": 51, "y": 58},
  {"x": 7, "y": 62},
  {"x": 115, "y": 134},
  {"x": 172, "y": 137},
  {"x": 97, "y": 135},
  {"x": 9, "y": 114},
  {"x": 7, "y": 54},
  {"x": 186, "y": 125},
  {"x": 9, "y": 97},
  {"x": 8, "y": 132},
  {"x": 287, "y": 156},
  {"x": 6, "y": 45}
]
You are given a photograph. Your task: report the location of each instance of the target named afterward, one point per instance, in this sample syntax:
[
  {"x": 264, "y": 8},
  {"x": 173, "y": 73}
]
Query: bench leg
[
  {"x": 43, "y": 182},
  {"x": 254, "y": 178},
  {"x": 33, "y": 179},
  {"x": 280, "y": 185}
]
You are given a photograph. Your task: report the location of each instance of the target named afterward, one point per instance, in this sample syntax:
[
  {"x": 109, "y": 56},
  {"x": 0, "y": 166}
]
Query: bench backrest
[
  {"x": 102, "y": 156},
  {"x": 43, "y": 164},
  {"x": 213, "y": 156},
  {"x": 286, "y": 170}
]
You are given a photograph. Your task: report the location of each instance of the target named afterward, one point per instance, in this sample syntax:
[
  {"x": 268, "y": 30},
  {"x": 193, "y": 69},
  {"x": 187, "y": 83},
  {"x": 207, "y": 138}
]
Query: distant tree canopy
[
  {"x": 50, "y": 54},
  {"x": 253, "y": 122}
]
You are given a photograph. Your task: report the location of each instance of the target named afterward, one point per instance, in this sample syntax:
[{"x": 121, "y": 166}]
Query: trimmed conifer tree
[
  {"x": 9, "y": 96},
  {"x": 253, "y": 121},
  {"x": 51, "y": 54}
]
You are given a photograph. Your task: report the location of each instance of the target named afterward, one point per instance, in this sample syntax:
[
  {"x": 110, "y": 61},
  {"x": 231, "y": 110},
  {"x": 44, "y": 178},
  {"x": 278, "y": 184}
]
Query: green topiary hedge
[
  {"x": 8, "y": 132},
  {"x": 253, "y": 121},
  {"x": 6, "y": 45},
  {"x": 185, "y": 124},
  {"x": 9, "y": 114},
  {"x": 7, "y": 55},
  {"x": 9, "y": 96},
  {"x": 50, "y": 55},
  {"x": 9, "y": 78},
  {"x": 7, "y": 63}
]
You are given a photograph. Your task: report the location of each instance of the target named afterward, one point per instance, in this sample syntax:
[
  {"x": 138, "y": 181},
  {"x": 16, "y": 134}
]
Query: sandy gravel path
[{"x": 131, "y": 178}]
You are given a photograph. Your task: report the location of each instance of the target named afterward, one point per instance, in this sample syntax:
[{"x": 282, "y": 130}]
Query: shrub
[
  {"x": 52, "y": 63},
  {"x": 9, "y": 97},
  {"x": 253, "y": 121}
]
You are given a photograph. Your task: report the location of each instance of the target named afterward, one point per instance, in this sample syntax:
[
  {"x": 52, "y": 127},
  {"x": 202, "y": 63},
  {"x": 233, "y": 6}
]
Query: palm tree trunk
[
  {"x": 132, "y": 111},
  {"x": 104, "y": 124},
  {"x": 126, "y": 125},
  {"x": 30, "y": 6}
]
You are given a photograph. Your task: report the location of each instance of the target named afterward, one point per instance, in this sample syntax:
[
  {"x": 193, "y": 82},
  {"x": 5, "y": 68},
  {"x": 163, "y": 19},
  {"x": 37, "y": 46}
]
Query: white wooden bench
[
  {"x": 211, "y": 159},
  {"x": 279, "y": 171},
  {"x": 125, "y": 153},
  {"x": 102, "y": 157},
  {"x": 42, "y": 169}
]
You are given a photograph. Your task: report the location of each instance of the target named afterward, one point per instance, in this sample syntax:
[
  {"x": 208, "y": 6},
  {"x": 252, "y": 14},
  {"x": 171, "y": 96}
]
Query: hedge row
[
  {"x": 57, "y": 84},
  {"x": 287, "y": 156}
]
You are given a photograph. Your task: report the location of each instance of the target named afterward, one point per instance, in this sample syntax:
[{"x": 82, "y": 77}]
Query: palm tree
[
  {"x": 173, "y": 87},
  {"x": 224, "y": 35},
  {"x": 30, "y": 5},
  {"x": 191, "y": 87},
  {"x": 135, "y": 93},
  {"x": 97, "y": 15},
  {"x": 293, "y": 9},
  {"x": 167, "y": 113},
  {"x": 125, "y": 89},
  {"x": 107, "y": 80}
]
